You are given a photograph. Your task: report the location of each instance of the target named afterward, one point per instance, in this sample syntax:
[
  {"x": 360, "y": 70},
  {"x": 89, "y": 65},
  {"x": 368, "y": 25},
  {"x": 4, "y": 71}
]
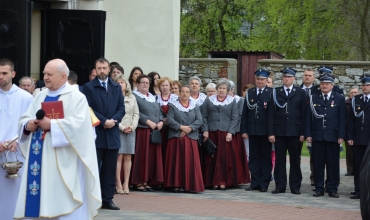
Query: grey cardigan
[
  {"x": 148, "y": 110},
  {"x": 217, "y": 117},
  {"x": 176, "y": 118}
]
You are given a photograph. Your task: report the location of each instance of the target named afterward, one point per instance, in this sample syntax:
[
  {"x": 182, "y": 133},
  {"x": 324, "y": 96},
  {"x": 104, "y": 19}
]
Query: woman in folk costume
[
  {"x": 196, "y": 96},
  {"x": 182, "y": 169},
  {"x": 163, "y": 100},
  {"x": 220, "y": 120},
  {"x": 127, "y": 136},
  {"x": 147, "y": 162}
]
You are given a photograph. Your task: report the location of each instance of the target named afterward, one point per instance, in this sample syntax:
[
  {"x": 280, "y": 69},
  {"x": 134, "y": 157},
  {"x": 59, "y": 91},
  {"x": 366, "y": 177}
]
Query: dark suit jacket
[
  {"x": 254, "y": 123},
  {"x": 106, "y": 105},
  {"x": 288, "y": 124},
  {"x": 358, "y": 129},
  {"x": 334, "y": 124}
]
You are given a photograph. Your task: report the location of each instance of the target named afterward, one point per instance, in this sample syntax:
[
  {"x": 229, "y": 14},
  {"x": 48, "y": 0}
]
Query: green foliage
[{"x": 300, "y": 29}]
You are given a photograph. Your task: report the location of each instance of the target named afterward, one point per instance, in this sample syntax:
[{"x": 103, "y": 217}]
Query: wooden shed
[{"x": 247, "y": 63}]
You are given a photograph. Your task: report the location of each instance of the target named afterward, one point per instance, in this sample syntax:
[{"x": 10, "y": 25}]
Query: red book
[{"x": 53, "y": 110}]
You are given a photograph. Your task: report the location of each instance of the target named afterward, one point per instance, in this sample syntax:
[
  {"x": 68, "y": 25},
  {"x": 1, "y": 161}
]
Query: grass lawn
[{"x": 306, "y": 153}]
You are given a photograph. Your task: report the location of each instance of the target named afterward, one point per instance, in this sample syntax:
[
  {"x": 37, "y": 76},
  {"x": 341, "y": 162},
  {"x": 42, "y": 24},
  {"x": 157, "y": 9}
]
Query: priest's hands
[
  {"x": 44, "y": 123},
  {"x": 31, "y": 125}
]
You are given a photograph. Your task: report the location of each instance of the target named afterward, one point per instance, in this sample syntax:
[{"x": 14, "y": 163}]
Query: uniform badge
[
  {"x": 332, "y": 103},
  {"x": 281, "y": 90},
  {"x": 265, "y": 104},
  {"x": 358, "y": 108},
  {"x": 294, "y": 90},
  {"x": 251, "y": 100},
  {"x": 361, "y": 97},
  {"x": 314, "y": 104}
]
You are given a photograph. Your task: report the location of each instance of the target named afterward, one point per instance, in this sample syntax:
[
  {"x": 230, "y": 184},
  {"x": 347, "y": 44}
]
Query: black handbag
[
  {"x": 207, "y": 147},
  {"x": 155, "y": 137}
]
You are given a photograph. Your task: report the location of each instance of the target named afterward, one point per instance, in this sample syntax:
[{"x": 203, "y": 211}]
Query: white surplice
[
  {"x": 70, "y": 187},
  {"x": 13, "y": 104}
]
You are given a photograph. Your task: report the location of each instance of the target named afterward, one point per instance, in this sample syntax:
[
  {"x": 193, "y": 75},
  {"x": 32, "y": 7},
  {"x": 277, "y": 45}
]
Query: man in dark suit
[
  {"x": 359, "y": 129},
  {"x": 254, "y": 126},
  {"x": 308, "y": 79},
  {"x": 325, "y": 128},
  {"x": 349, "y": 151},
  {"x": 286, "y": 130},
  {"x": 105, "y": 98},
  {"x": 326, "y": 70}
]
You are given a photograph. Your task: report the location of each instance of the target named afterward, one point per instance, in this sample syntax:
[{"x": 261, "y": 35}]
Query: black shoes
[
  {"x": 252, "y": 188},
  {"x": 333, "y": 195},
  {"x": 110, "y": 206},
  {"x": 317, "y": 194},
  {"x": 349, "y": 174},
  {"x": 276, "y": 191},
  {"x": 355, "y": 196},
  {"x": 263, "y": 190},
  {"x": 297, "y": 192}
]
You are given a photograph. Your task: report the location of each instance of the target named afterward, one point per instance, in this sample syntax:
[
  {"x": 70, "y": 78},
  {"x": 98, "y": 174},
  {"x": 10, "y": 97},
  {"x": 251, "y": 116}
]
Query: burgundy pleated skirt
[
  {"x": 147, "y": 161},
  {"x": 164, "y": 133},
  {"x": 226, "y": 167},
  {"x": 182, "y": 169}
]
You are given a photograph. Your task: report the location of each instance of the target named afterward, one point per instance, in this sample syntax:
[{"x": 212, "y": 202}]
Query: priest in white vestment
[
  {"x": 14, "y": 101},
  {"x": 64, "y": 182}
]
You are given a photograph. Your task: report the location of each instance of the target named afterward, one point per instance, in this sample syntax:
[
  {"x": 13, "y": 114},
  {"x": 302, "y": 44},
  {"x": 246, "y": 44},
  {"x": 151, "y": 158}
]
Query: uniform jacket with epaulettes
[
  {"x": 333, "y": 125},
  {"x": 255, "y": 122},
  {"x": 288, "y": 121},
  {"x": 358, "y": 128}
]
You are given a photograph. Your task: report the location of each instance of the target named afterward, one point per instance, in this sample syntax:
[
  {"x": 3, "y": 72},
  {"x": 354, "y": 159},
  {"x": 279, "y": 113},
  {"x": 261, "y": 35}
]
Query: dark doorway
[
  {"x": 77, "y": 37},
  {"x": 14, "y": 35}
]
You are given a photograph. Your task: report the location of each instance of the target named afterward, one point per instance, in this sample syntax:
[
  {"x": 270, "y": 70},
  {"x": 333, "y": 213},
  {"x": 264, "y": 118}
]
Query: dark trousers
[
  {"x": 311, "y": 167},
  {"x": 293, "y": 146},
  {"x": 326, "y": 153},
  {"x": 358, "y": 155},
  {"x": 107, "y": 162},
  {"x": 311, "y": 162},
  {"x": 349, "y": 158},
  {"x": 260, "y": 164}
]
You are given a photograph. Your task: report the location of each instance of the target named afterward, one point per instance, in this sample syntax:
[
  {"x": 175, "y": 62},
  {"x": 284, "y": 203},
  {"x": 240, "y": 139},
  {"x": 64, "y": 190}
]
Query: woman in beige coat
[{"x": 127, "y": 135}]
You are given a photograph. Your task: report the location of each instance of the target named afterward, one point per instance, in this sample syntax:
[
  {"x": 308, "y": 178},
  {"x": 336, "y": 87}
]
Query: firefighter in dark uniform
[
  {"x": 325, "y": 70},
  {"x": 254, "y": 126},
  {"x": 358, "y": 130},
  {"x": 286, "y": 130},
  {"x": 325, "y": 128}
]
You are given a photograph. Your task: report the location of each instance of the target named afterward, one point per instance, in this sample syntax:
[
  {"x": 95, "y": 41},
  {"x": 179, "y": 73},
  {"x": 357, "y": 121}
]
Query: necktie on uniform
[
  {"x": 287, "y": 91},
  {"x": 326, "y": 98},
  {"x": 259, "y": 93}
]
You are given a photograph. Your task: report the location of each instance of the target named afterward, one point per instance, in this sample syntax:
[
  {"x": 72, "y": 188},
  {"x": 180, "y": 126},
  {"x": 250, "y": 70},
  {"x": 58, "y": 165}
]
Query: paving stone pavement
[{"x": 236, "y": 203}]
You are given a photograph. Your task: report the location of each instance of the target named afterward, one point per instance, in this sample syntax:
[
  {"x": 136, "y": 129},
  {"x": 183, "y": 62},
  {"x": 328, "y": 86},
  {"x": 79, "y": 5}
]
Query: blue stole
[{"x": 34, "y": 173}]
